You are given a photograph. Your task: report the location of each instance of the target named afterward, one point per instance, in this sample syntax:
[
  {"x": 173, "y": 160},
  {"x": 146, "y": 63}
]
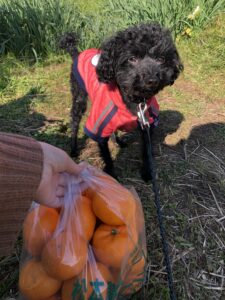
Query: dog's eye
[
  {"x": 161, "y": 60},
  {"x": 133, "y": 59}
]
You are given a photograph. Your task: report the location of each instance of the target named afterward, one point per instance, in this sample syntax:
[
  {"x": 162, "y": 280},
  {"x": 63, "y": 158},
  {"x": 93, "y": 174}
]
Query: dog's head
[{"x": 141, "y": 60}]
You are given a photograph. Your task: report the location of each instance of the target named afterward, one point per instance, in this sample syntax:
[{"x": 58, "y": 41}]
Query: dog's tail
[{"x": 68, "y": 42}]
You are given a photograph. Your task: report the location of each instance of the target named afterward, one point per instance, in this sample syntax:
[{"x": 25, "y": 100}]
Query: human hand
[{"x": 51, "y": 189}]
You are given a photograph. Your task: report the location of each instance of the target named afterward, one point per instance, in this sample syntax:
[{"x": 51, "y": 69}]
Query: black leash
[{"x": 146, "y": 128}]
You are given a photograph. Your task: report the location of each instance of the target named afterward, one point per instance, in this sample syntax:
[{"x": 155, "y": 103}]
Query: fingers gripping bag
[{"x": 91, "y": 248}]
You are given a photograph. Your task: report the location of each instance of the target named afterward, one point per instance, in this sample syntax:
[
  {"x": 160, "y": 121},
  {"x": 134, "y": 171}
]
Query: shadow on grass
[
  {"x": 20, "y": 116},
  {"x": 191, "y": 178},
  {"x": 180, "y": 194},
  {"x": 130, "y": 165},
  {"x": 5, "y": 76},
  {"x": 211, "y": 136},
  {"x": 17, "y": 116}
]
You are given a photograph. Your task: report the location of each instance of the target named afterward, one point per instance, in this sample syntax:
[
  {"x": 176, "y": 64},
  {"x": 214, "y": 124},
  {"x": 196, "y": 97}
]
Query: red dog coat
[{"x": 108, "y": 112}]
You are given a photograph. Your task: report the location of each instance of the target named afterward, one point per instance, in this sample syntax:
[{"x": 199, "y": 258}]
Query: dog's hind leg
[
  {"x": 106, "y": 156},
  {"x": 79, "y": 106}
]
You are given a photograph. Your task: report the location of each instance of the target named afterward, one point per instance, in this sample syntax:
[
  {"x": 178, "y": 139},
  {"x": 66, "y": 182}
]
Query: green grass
[
  {"x": 30, "y": 28},
  {"x": 173, "y": 14},
  {"x": 205, "y": 56},
  {"x": 189, "y": 150}
]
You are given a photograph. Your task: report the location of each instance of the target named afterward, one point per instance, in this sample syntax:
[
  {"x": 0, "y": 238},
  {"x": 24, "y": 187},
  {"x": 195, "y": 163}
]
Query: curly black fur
[{"x": 140, "y": 60}]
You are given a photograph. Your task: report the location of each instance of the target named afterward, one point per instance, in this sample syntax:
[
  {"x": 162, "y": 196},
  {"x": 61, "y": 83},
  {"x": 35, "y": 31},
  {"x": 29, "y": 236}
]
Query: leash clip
[{"x": 141, "y": 113}]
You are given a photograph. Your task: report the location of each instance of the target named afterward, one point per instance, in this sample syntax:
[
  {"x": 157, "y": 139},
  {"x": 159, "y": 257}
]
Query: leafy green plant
[
  {"x": 30, "y": 28},
  {"x": 171, "y": 13}
]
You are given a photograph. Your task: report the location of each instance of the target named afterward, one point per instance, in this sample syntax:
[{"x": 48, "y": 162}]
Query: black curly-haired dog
[{"x": 129, "y": 68}]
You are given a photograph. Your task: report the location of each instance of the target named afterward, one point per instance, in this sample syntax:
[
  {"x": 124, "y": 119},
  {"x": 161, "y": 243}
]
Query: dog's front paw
[{"x": 146, "y": 174}]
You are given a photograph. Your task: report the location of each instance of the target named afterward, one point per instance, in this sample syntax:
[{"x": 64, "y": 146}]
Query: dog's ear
[
  {"x": 177, "y": 67},
  {"x": 178, "y": 63},
  {"x": 106, "y": 64}
]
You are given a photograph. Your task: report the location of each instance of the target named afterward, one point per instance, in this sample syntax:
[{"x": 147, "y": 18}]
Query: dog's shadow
[
  {"x": 20, "y": 116},
  {"x": 210, "y": 136},
  {"x": 128, "y": 162}
]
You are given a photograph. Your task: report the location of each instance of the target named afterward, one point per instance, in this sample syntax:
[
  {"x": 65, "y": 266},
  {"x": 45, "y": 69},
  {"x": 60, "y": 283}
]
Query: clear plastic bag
[{"x": 93, "y": 247}]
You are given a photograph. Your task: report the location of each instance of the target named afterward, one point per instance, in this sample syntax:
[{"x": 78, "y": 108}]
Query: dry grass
[{"x": 192, "y": 184}]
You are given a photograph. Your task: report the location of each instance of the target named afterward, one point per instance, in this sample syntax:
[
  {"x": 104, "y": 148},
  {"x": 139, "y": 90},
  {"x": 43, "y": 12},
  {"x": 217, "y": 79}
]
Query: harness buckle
[{"x": 141, "y": 113}]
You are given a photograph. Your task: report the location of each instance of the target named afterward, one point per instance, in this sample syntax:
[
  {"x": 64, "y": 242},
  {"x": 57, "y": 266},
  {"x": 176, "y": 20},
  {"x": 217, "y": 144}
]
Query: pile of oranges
[{"x": 98, "y": 251}]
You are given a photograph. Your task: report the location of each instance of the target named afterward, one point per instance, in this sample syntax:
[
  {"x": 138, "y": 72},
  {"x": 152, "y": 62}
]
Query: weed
[{"x": 30, "y": 29}]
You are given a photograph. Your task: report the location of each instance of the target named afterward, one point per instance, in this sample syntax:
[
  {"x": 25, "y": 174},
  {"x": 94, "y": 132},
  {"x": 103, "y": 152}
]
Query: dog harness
[{"x": 108, "y": 112}]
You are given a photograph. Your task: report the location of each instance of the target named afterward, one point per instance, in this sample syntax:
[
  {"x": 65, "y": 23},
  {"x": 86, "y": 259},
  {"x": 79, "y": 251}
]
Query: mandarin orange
[
  {"x": 35, "y": 283},
  {"x": 133, "y": 280},
  {"x": 68, "y": 289},
  {"x": 64, "y": 256},
  {"x": 101, "y": 180},
  {"x": 99, "y": 274},
  {"x": 38, "y": 228},
  {"x": 92, "y": 273},
  {"x": 87, "y": 218},
  {"x": 112, "y": 244},
  {"x": 54, "y": 297},
  {"x": 114, "y": 205}
]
